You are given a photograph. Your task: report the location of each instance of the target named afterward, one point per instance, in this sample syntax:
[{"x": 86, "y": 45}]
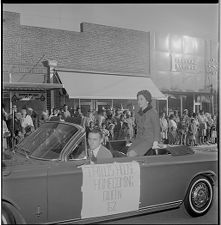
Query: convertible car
[{"x": 49, "y": 178}]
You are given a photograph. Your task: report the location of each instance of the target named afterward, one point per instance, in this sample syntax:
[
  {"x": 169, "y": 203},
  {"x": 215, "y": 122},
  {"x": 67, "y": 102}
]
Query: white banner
[{"x": 110, "y": 188}]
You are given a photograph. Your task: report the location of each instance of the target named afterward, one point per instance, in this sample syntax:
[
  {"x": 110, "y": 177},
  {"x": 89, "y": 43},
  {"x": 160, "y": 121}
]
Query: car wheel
[
  {"x": 199, "y": 196},
  {"x": 7, "y": 216}
]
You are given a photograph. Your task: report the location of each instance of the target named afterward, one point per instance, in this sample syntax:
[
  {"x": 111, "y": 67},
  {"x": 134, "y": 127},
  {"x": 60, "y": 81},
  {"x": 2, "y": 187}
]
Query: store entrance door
[
  {"x": 197, "y": 107},
  {"x": 101, "y": 105},
  {"x": 86, "y": 107}
]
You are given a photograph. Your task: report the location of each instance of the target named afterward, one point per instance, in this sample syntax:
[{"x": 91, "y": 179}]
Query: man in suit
[{"x": 96, "y": 149}]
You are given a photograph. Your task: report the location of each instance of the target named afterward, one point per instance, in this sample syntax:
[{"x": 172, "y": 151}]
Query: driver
[{"x": 96, "y": 149}]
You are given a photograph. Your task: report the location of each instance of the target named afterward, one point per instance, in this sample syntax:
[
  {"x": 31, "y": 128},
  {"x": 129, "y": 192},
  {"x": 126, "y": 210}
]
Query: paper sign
[{"x": 110, "y": 188}]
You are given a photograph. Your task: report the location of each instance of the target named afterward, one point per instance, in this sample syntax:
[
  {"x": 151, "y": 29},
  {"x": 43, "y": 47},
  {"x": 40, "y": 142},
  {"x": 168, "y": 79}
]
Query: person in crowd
[
  {"x": 105, "y": 133},
  {"x": 100, "y": 118},
  {"x": 209, "y": 125},
  {"x": 83, "y": 120},
  {"x": 192, "y": 132},
  {"x": 123, "y": 129},
  {"x": 148, "y": 126},
  {"x": 34, "y": 117},
  {"x": 61, "y": 110},
  {"x": 176, "y": 116},
  {"x": 111, "y": 131},
  {"x": 43, "y": 118},
  {"x": 110, "y": 124},
  {"x": 172, "y": 131},
  {"x": 54, "y": 113},
  {"x": 196, "y": 122},
  {"x": 129, "y": 120},
  {"x": 15, "y": 129},
  {"x": 6, "y": 133},
  {"x": 66, "y": 113},
  {"x": 61, "y": 117},
  {"x": 26, "y": 123},
  {"x": 96, "y": 149},
  {"x": 213, "y": 130},
  {"x": 78, "y": 116},
  {"x": 89, "y": 118},
  {"x": 89, "y": 128},
  {"x": 10, "y": 117},
  {"x": 4, "y": 113},
  {"x": 163, "y": 127},
  {"x": 202, "y": 126},
  {"x": 118, "y": 123},
  {"x": 185, "y": 121}
]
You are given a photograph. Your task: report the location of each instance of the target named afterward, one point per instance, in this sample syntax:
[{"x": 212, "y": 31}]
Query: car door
[
  {"x": 64, "y": 185},
  {"x": 26, "y": 187},
  {"x": 163, "y": 181},
  {"x": 72, "y": 196}
]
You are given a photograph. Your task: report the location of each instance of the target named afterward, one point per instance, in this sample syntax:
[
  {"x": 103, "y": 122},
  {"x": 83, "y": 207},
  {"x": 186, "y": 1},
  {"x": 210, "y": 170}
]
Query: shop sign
[
  {"x": 28, "y": 96},
  {"x": 110, "y": 188},
  {"x": 185, "y": 64},
  {"x": 212, "y": 66}
]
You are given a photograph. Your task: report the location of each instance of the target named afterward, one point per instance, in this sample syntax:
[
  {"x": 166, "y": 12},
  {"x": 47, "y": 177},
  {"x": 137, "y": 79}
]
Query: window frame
[{"x": 73, "y": 148}]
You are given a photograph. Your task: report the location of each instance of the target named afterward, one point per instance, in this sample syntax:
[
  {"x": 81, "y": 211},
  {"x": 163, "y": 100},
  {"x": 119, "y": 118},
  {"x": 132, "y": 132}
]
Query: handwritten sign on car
[{"x": 110, "y": 188}]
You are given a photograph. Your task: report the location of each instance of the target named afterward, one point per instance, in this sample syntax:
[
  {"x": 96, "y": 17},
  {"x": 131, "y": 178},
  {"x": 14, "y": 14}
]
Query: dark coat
[
  {"x": 148, "y": 131},
  {"x": 103, "y": 153}
]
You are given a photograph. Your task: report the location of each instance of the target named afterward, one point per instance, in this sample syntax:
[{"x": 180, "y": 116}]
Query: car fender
[
  {"x": 15, "y": 211},
  {"x": 208, "y": 174}
]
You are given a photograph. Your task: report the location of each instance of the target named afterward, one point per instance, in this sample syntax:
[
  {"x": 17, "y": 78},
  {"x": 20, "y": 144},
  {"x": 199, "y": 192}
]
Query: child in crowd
[
  {"x": 172, "y": 130},
  {"x": 192, "y": 132}
]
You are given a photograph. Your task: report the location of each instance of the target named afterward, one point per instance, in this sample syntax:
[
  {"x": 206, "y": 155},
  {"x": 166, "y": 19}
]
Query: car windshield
[{"x": 48, "y": 140}]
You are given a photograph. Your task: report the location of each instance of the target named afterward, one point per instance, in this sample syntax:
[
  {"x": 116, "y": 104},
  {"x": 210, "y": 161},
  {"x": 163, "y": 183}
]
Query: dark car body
[{"x": 43, "y": 180}]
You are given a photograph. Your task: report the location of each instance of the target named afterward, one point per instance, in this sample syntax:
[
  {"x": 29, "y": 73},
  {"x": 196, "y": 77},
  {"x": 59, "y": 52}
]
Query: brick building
[{"x": 51, "y": 67}]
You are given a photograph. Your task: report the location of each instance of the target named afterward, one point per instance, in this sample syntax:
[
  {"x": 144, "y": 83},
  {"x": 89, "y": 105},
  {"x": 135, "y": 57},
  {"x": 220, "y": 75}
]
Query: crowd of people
[
  {"x": 189, "y": 129},
  {"x": 17, "y": 125},
  {"x": 115, "y": 124}
]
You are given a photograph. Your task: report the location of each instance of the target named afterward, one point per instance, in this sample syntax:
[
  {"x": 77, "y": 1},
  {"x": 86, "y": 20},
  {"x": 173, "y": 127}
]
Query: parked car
[{"x": 49, "y": 178}]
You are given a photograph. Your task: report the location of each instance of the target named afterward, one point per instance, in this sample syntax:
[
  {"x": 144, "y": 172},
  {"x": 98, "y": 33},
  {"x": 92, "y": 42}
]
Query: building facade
[
  {"x": 180, "y": 66},
  {"x": 185, "y": 69}
]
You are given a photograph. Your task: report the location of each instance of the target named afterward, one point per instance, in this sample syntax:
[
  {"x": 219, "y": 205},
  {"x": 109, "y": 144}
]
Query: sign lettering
[
  {"x": 183, "y": 64},
  {"x": 110, "y": 188},
  {"x": 29, "y": 96}
]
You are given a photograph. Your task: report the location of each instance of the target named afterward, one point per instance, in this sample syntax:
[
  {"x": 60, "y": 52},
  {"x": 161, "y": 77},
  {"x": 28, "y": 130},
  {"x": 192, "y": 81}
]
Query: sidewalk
[{"x": 210, "y": 147}]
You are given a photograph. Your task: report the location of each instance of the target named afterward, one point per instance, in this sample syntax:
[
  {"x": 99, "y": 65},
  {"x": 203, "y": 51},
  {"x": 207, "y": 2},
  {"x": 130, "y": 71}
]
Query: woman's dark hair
[{"x": 147, "y": 95}]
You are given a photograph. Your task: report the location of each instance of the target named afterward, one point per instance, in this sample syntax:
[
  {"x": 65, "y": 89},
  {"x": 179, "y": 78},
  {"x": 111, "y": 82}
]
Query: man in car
[{"x": 96, "y": 149}]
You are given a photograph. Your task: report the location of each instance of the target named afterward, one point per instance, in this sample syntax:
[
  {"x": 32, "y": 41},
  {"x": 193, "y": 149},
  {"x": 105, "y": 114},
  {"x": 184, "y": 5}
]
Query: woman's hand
[{"x": 155, "y": 145}]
